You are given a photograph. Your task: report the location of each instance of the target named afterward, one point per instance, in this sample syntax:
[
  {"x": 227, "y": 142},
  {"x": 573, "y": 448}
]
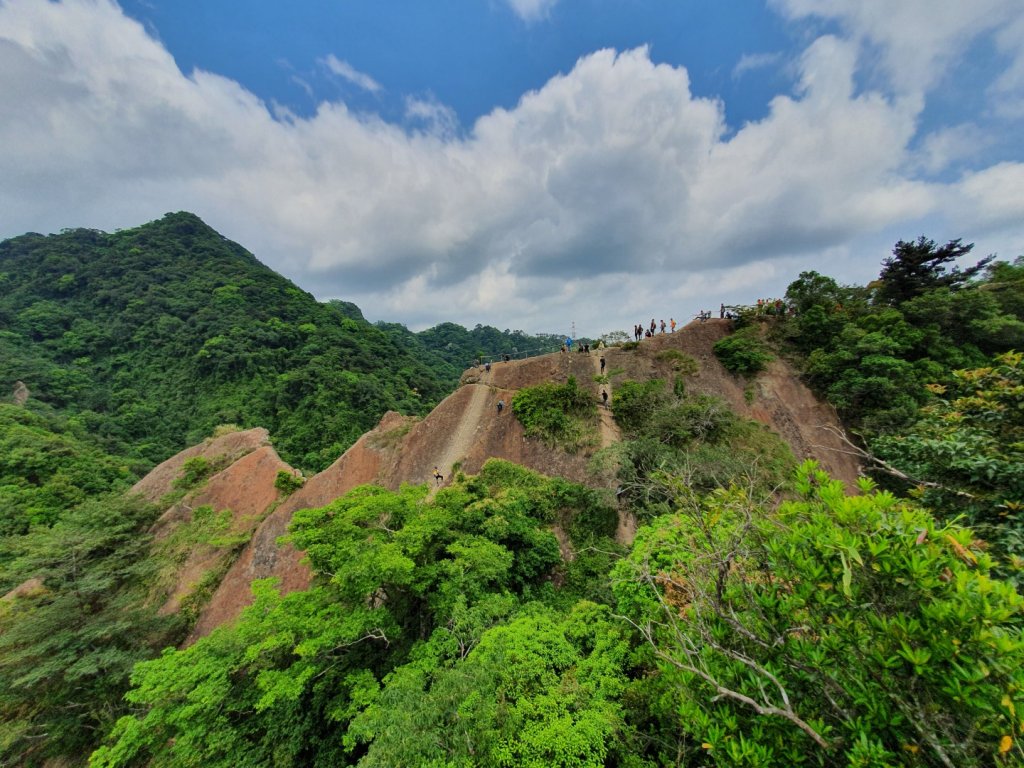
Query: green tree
[
  {"x": 68, "y": 646},
  {"x": 965, "y": 454},
  {"x": 917, "y": 267},
  {"x": 838, "y": 630}
]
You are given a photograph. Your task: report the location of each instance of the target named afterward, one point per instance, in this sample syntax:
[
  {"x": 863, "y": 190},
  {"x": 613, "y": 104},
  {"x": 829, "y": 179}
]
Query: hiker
[
  {"x": 721, "y": 311},
  {"x": 654, "y": 327},
  {"x": 438, "y": 477},
  {"x": 501, "y": 406},
  {"x": 604, "y": 397},
  {"x": 672, "y": 324},
  {"x": 663, "y": 326},
  {"x": 487, "y": 366},
  {"x": 602, "y": 364}
]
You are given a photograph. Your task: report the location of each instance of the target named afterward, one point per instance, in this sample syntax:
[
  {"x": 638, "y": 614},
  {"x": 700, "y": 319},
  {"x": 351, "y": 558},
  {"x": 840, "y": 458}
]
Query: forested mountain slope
[{"x": 150, "y": 337}]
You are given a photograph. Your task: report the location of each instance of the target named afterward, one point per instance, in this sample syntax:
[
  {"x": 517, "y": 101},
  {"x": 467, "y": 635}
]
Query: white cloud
[
  {"x": 752, "y": 61},
  {"x": 916, "y": 40},
  {"x": 609, "y": 194},
  {"x": 346, "y": 71},
  {"x": 531, "y": 10}
]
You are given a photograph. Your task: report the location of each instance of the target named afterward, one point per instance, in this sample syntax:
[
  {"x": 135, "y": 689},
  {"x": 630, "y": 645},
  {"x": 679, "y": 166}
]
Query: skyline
[{"x": 524, "y": 164}]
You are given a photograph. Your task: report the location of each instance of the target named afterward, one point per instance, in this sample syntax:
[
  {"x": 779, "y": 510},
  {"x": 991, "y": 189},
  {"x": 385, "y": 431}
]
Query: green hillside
[{"x": 148, "y": 338}]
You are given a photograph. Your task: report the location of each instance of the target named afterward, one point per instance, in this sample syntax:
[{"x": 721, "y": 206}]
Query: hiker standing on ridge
[
  {"x": 654, "y": 327},
  {"x": 672, "y": 324}
]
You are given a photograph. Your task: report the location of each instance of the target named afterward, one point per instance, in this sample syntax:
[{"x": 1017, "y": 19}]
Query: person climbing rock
[
  {"x": 501, "y": 406},
  {"x": 604, "y": 397},
  {"x": 487, "y": 366},
  {"x": 602, "y": 364},
  {"x": 438, "y": 477}
]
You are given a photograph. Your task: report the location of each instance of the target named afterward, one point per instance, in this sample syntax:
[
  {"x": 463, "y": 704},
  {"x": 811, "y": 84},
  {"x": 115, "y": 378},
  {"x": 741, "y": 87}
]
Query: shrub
[
  {"x": 743, "y": 353},
  {"x": 560, "y": 414},
  {"x": 635, "y": 402},
  {"x": 193, "y": 473},
  {"x": 287, "y": 482}
]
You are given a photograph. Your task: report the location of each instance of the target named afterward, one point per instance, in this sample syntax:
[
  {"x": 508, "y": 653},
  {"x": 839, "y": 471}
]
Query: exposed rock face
[
  {"x": 246, "y": 490},
  {"x": 20, "y": 393},
  {"x": 222, "y": 450},
  {"x": 263, "y": 557},
  {"x": 465, "y": 430}
]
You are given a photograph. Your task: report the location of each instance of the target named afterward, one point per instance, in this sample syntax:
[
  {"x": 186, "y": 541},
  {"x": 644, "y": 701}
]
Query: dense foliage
[
  {"x": 965, "y": 455},
  {"x": 561, "y": 414},
  {"x": 47, "y": 467},
  {"x": 872, "y": 351},
  {"x": 838, "y": 631},
  {"x": 69, "y": 643},
  {"x": 433, "y": 633}
]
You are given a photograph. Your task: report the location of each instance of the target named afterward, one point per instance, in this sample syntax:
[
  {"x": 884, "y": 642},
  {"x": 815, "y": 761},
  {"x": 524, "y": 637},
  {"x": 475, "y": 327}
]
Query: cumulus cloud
[
  {"x": 610, "y": 193},
  {"x": 347, "y": 72},
  {"x": 916, "y": 40}
]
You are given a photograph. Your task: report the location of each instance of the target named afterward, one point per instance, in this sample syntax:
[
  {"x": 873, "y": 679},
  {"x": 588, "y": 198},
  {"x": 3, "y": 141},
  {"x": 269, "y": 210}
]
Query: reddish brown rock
[
  {"x": 246, "y": 490},
  {"x": 222, "y": 450}
]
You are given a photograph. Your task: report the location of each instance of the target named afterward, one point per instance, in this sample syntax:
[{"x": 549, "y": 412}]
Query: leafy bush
[
  {"x": 841, "y": 630},
  {"x": 635, "y": 402},
  {"x": 193, "y": 472},
  {"x": 288, "y": 482},
  {"x": 743, "y": 353},
  {"x": 560, "y": 414}
]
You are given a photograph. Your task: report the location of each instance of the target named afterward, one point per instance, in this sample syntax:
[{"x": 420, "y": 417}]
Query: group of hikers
[{"x": 639, "y": 332}]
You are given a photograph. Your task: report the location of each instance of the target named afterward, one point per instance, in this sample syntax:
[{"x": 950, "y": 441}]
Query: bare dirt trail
[
  {"x": 461, "y": 439},
  {"x": 625, "y": 531},
  {"x": 609, "y": 429}
]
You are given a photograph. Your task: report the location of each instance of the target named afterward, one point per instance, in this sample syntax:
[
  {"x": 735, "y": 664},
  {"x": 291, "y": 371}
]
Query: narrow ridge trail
[
  {"x": 461, "y": 440},
  {"x": 609, "y": 429},
  {"x": 625, "y": 531}
]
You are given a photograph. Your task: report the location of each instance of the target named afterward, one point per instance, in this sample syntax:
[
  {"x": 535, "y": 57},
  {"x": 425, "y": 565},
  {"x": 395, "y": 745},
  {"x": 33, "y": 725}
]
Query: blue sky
[
  {"x": 524, "y": 163},
  {"x": 471, "y": 55}
]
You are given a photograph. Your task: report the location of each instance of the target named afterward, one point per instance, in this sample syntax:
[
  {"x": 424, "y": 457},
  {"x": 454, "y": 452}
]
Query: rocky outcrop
[
  {"x": 264, "y": 557},
  {"x": 20, "y": 394},
  {"x": 245, "y": 492},
  {"x": 219, "y": 451},
  {"x": 465, "y": 430}
]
